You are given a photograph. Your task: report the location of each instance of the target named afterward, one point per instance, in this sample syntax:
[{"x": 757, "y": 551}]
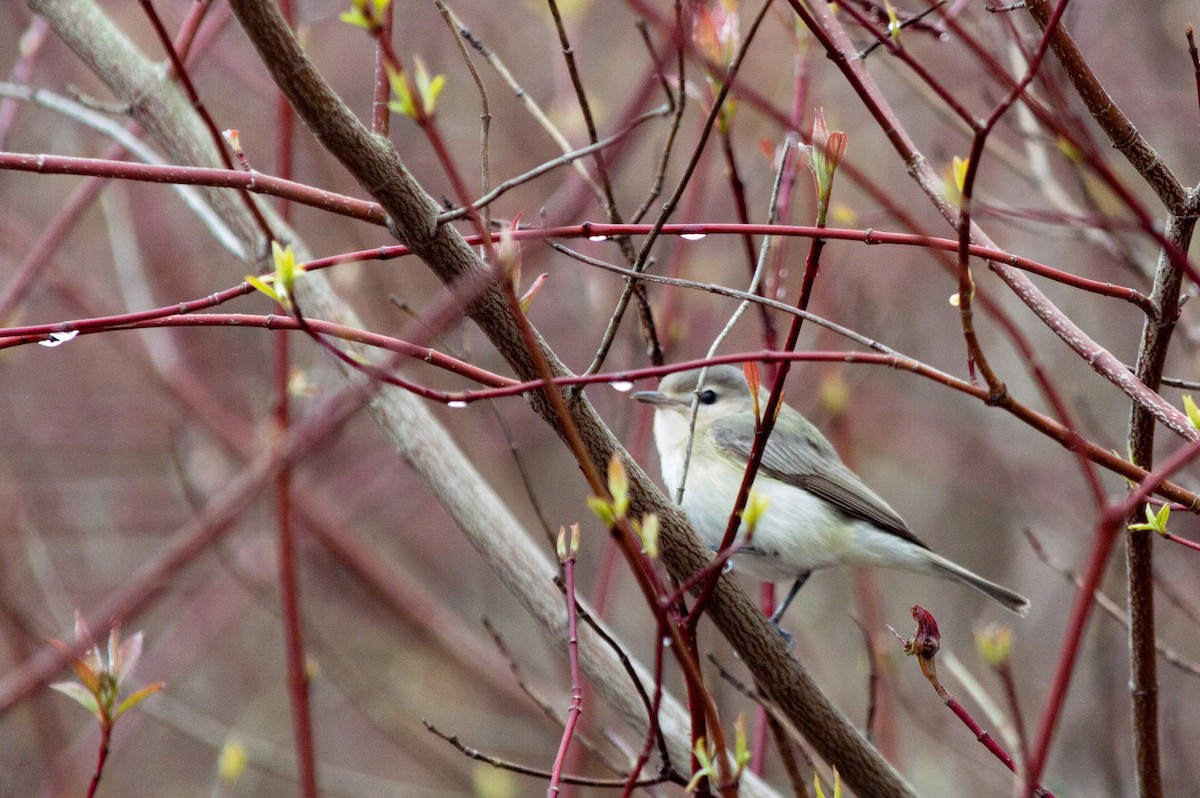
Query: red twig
[
  {"x": 381, "y": 115},
  {"x": 185, "y": 80},
  {"x": 1195, "y": 56},
  {"x": 653, "y": 731},
  {"x": 255, "y": 182},
  {"x": 924, "y": 645},
  {"x": 289, "y": 587},
  {"x": 101, "y": 758},
  {"x": 386, "y": 56},
  {"x": 369, "y": 211},
  {"x": 567, "y": 552},
  {"x": 1191, "y": 544},
  {"x": 982, "y": 130},
  {"x": 289, "y": 590}
]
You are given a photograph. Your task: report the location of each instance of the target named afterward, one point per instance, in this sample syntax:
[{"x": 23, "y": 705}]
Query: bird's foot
[
  {"x": 789, "y": 639},
  {"x": 728, "y": 566}
]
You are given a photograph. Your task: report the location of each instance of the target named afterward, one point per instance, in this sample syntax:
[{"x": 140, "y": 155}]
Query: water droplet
[
  {"x": 727, "y": 567},
  {"x": 667, "y": 642},
  {"x": 624, "y": 386},
  {"x": 597, "y": 238},
  {"x": 59, "y": 338},
  {"x": 693, "y": 236},
  {"x": 456, "y": 403}
]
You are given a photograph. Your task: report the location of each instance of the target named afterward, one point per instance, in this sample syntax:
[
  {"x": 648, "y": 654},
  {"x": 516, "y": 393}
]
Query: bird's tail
[{"x": 1011, "y": 601}]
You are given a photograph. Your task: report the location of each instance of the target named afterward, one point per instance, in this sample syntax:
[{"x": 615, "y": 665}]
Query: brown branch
[{"x": 1152, "y": 353}]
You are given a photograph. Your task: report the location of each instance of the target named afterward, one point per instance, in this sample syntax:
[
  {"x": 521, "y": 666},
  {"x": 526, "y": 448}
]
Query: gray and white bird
[{"x": 819, "y": 513}]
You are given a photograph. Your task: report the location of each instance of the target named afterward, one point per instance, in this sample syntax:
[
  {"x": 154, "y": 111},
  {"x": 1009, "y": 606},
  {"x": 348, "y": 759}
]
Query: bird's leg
[{"x": 782, "y": 608}]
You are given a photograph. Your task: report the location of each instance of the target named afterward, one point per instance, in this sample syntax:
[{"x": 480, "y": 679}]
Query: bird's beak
[{"x": 653, "y": 398}]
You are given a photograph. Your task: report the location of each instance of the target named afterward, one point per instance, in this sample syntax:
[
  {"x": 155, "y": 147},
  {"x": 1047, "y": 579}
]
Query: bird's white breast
[{"x": 799, "y": 532}]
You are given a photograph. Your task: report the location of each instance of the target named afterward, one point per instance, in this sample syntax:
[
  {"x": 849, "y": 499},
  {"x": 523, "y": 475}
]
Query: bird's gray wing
[{"x": 810, "y": 463}]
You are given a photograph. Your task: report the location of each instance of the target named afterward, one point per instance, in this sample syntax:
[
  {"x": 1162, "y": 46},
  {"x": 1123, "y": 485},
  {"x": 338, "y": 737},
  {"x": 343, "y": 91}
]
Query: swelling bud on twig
[
  {"x": 823, "y": 157},
  {"x": 925, "y": 643}
]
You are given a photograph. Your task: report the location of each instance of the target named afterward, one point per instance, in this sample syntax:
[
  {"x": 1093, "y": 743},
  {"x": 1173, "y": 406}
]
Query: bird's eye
[{"x": 708, "y": 397}]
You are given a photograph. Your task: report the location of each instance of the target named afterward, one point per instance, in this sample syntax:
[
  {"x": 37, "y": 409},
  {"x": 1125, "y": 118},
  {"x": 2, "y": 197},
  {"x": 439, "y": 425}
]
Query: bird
[{"x": 818, "y": 513}]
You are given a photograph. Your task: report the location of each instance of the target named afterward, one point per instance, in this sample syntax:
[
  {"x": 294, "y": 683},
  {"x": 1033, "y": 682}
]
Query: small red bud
[{"x": 927, "y": 640}]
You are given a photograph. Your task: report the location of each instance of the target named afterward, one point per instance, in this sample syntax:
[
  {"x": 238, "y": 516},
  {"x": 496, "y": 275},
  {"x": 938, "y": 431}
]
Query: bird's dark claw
[
  {"x": 789, "y": 639},
  {"x": 728, "y": 566}
]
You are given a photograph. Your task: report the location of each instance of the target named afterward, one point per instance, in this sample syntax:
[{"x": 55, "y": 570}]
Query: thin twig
[
  {"x": 573, "y": 156},
  {"x": 485, "y": 115},
  {"x": 514, "y": 668},
  {"x": 924, "y": 646},
  {"x": 608, "y": 200},
  {"x": 755, "y": 286},
  {"x": 914, "y": 21},
  {"x": 1195, "y": 56},
  {"x": 567, "y": 556},
  {"x": 101, "y": 758},
  {"x": 381, "y": 114},
  {"x": 738, "y": 189},
  {"x": 585, "y": 108},
  {"x": 678, "y": 103},
  {"x": 531, "y": 106},
  {"x": 873, "y": 681},
  {"x": 654, "y": 730},
  {"x": 526, "y": 770}
]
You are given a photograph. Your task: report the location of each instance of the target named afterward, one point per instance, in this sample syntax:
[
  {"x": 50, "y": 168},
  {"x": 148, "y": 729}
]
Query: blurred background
[{"x": 109, "y": 448}]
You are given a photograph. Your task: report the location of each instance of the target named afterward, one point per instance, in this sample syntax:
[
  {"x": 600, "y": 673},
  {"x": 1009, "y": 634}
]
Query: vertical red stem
[
  {"x": 101, "y": 758},
  {"x": 297, "y": 671},
  {"x": 576, "y": 707}
]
